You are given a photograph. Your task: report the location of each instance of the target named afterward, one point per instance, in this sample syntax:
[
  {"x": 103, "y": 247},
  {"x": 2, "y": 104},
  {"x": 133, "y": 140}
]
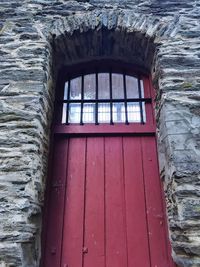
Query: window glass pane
[
  {"x": 75, "y": 88},
  {"x": 104, "y": 85},
  {"x": 64, "y": 113},
  {"x": 118, "y": 112},
  {"x": 133, "y": 110},
  {"x": 104, "y": 116},
  {"x": 142, "y": 88},
  {"x": 89, "y": 113},
  {"x": 89, "y": 86},
  {"x": 131, "y": 87},
  {"x": 144, "y": 112},
  {"x": 143, "y": 104},
  {"x": 117, "y": 86},
  {"x": 66, "y": 91},
  {"x": 74, "y": 113},
  {"x": 104, "y": 112}
]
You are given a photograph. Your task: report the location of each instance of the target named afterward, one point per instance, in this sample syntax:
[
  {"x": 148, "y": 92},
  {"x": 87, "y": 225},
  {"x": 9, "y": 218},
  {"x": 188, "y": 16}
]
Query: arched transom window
[{"x": 104, "y": 97}]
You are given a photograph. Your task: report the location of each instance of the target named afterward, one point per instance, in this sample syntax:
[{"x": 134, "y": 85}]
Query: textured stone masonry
[{"x": 39, "y": 36}]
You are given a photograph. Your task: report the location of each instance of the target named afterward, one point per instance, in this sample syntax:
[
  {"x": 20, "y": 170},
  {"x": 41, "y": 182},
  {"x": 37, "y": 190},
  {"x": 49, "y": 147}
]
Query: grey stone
[{"x": 37, "y": 37}]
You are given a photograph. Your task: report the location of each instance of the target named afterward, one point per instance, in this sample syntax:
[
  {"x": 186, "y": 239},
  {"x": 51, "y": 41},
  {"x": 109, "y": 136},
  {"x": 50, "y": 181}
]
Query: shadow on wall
[{"x": 130, "y": 47}]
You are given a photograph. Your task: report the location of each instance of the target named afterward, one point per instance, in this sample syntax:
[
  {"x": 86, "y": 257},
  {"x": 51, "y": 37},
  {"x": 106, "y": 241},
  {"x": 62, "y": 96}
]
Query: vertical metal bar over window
[
  {"x": 125, "y": 99},
  {"x": 96, "y": 98},
  {"x": 111, "y": 102}
]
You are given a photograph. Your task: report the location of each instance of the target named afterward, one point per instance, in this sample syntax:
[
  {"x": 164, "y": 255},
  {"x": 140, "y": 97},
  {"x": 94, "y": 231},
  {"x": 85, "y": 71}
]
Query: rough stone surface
[{"x": 39, "y": 36}]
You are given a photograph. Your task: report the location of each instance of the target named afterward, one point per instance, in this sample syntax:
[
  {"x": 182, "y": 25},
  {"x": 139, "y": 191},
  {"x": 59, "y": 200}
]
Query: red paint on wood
[
  {"x": 94, "y": 227},
  {"x": 74, "y": 205},
  {"x": 116, "y": 235},
  {"x": 106, "y": 129},
  {"x": 154, "y": 207},
  {"x": 137, "y": 230},
  {"x": 53, "y": 238},
  {"x": 113, "y": 213}
]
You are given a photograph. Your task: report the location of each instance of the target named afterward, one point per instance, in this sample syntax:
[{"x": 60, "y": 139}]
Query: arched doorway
[{"x": 105, "y": 203}]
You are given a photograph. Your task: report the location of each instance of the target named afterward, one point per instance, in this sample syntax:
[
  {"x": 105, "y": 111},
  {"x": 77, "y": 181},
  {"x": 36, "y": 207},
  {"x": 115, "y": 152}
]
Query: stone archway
[{"x": 142, "y": 41}]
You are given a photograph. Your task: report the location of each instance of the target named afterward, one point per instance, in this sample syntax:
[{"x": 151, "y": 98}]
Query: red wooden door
[
  {"x": 110, "y": 204},
  {"x": 105, "y": 206}
]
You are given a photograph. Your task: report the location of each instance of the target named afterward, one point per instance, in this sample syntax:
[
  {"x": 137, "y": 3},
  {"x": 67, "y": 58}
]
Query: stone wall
[{"x": 36, "y": 38}]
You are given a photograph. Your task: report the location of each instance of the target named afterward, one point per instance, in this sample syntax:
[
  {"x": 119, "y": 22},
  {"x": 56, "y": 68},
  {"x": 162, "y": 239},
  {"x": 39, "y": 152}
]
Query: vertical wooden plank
[
  {"x": 53, "y": 240},
  {"x": 137, "y": 231},
  {"x": 116, "y": 241},
  {"x": 74, "y": 205},
  {"x": 155, "y": 213},
  {"x": 94, "y": 204}
]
